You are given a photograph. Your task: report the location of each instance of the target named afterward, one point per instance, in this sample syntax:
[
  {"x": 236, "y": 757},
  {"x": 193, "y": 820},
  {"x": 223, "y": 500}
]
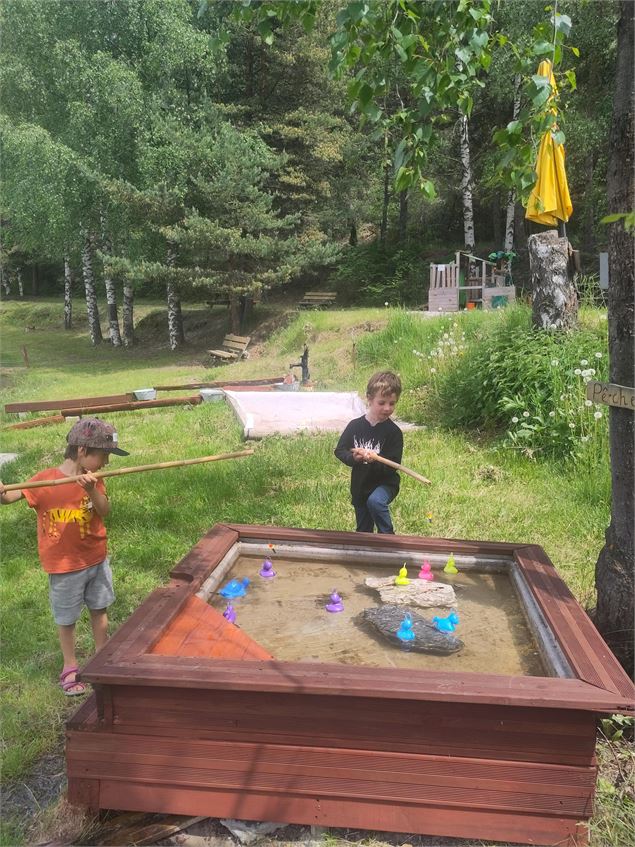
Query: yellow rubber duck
[
  {"x": 450, "y": 566},
  {"x": 402, "y": 579}
]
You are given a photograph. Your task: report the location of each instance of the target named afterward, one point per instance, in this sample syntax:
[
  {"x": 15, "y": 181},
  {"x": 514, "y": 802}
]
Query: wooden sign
[{"x": 611, "y": 394}]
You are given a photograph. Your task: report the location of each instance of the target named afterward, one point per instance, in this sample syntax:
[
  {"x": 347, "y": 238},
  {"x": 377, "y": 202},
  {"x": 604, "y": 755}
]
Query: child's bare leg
[
  {"x": 99, "y": 623},
  {"x": 66, "y": 635}
]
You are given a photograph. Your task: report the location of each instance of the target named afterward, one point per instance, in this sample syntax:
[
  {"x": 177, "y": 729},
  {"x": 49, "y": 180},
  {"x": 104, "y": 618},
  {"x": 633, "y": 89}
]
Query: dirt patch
[{"x": 27, "y": 798}]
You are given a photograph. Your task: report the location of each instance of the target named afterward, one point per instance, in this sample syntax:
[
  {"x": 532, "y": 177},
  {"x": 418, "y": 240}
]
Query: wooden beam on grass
[
  {"x": 192, "y": 400},
  {"x": 221, "y": 383},
  {"x": 58, "y": 405}
]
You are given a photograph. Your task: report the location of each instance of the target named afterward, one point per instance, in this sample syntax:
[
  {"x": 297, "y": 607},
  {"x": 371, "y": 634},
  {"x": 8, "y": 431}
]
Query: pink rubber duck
[{"x": 426, "y": 571}]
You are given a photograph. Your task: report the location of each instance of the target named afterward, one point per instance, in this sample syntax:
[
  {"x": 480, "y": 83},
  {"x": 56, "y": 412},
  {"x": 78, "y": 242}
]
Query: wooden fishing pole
[
  {"x": 179, "y": 463},
  {"x": 403, "y": 469}
]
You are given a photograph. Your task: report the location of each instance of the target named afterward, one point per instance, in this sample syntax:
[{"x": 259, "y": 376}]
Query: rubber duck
[
  {"x": 267, "y": 571},
  {"x": 335, "y": 603},
  {"x": 447, "y": 624},
  {"x": 429, "y": 517},
  {"x": 426, "y": 571},
  {"x": 230, "y": 613},
  {"x": 402, "y": 577},
  {"x": 450, "y": 566},
  {"x": 405, "y": 632},
  {"x": 235, "y": 588}
]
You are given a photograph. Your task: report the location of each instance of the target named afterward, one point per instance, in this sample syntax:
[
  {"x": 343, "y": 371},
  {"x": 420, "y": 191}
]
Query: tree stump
[{"x": 554, "y": 296}]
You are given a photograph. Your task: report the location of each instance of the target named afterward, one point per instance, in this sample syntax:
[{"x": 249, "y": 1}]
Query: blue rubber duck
[
  {"x": 235, "y": 588},
  {"x": 447, "y": 624},
  {"x": 405, "y": 632}
]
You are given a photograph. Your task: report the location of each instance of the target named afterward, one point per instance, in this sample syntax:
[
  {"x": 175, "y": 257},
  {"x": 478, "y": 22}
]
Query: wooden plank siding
[{"x": 460, "y": 754}]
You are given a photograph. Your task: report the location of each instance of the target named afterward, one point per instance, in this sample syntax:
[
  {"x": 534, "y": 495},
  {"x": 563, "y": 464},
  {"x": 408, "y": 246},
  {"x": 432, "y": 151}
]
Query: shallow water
[{"x": 286, "y": 616}]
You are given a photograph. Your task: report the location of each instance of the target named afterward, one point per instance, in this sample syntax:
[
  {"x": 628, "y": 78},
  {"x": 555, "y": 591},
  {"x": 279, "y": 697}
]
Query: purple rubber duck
[
  {"x": 335, "y": 603},
  {"x": 267, "y": 571},
  {"x": 230, "y": 613}
]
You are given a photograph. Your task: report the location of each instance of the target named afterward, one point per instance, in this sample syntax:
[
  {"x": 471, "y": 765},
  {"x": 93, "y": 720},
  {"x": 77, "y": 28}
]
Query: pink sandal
[{"x": 67, "y": 685}]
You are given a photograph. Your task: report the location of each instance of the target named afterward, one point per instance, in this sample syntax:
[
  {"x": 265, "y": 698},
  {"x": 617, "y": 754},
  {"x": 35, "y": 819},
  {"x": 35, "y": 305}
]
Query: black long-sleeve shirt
[{"x": 384, "y": 438}]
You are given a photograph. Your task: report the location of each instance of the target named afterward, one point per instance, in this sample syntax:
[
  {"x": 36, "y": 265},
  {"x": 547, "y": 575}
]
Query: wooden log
[
  {"x": 52, "y": 419},
  {"x": 178, "y": 463},
  {"x": 58, "y": 405},
  {"x": 193, "y": 400}
]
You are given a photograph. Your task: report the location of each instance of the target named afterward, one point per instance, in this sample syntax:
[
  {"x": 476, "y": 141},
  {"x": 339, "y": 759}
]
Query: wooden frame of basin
[{"x": 437, "y": 753}]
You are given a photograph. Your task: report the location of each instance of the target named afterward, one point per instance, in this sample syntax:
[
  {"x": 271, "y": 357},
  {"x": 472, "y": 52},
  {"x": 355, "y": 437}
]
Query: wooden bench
[
  {"x": 233, "y": 347},
  {"x": 318, "y": 299}
]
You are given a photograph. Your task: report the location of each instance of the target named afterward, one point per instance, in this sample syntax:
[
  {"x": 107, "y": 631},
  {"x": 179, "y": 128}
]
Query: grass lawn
[{"x": 480, "y": 490}]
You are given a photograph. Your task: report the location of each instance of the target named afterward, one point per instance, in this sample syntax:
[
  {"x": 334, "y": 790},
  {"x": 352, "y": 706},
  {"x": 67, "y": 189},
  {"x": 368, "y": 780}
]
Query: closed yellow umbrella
[{"x": 549, "y": 200}]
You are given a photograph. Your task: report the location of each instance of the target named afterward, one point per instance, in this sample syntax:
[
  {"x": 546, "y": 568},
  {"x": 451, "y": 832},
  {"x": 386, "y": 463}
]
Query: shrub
[
  {"x": 492, "y": 370},
  {"x": 372, "y": 275}
]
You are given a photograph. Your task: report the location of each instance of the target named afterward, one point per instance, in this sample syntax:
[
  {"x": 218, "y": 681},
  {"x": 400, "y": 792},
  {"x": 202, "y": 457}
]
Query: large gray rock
[
  {"x": 428, "y": 639},
  {"x": 418, "y": 593}
]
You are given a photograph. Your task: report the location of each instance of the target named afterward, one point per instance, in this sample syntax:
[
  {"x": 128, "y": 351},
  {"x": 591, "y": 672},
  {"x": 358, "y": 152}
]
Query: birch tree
[{"x": 92, "y": 307}]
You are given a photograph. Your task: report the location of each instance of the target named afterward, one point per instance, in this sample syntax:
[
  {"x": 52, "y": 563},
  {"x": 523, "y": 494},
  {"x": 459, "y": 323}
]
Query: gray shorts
[{"x": 70, "y": 592}]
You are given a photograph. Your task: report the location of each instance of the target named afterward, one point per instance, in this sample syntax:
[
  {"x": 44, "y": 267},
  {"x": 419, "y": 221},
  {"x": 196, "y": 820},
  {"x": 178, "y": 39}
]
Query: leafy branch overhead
[{"x": 440, "y": 52}]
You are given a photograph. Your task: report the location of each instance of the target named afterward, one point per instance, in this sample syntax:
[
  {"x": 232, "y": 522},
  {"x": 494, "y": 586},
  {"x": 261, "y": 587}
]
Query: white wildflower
[
  {"x": 554, "y": 362},
  {"x": 588, "y": 402},
  {"x": 514, "y": 419},
  {"x": 571, "y": 426},
  {"x": 552, "y": 414},
  {"x": 584, "y": 438},
  {"x": 525, "y": 414},
  {"x": 598, "y": 355},
  {"x": 577, "y": 372},
  {"x": 433, "y": 370},
  {"x": 597, "y": 415},
  {"x": 583, "y": 362}
]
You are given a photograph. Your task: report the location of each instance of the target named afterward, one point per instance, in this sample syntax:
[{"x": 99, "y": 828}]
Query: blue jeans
[{"x": 376, "y": 512}]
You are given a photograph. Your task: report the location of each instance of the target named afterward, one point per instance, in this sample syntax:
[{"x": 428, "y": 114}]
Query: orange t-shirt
[{"x": 71, "y": 535}]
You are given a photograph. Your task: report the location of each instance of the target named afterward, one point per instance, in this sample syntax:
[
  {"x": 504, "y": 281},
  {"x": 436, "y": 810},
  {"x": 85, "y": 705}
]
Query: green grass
[{"x": 481, "y": 489}]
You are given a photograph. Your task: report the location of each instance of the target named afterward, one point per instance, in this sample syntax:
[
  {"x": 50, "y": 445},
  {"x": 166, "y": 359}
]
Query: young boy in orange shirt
[{"x": 72, "y": 538}]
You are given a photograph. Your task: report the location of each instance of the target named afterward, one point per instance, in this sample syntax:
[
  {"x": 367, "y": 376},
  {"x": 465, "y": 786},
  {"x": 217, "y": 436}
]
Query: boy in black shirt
[{"x": 374, "y": 485}]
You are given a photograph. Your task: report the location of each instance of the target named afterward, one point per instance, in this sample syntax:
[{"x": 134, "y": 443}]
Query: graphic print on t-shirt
[
  {"x": 370, "y": 445},
  {"x": 82, "y": 516}
]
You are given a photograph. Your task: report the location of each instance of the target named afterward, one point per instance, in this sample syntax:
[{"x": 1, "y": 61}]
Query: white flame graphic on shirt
[{"x": 371, "y": 446}]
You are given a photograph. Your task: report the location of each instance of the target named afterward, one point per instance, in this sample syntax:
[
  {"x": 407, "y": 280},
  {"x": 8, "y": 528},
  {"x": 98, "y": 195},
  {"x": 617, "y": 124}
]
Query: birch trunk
[
  {"x": 6, "y": 282},
  {"x": 128, "y": 315},
  {"x": 111, "y": 292},
  {"x": 94, "y": 325},
  {"x": 614, "y": 568},
  {"x": 18, "y": 273},
  {"x": 554, "y": 297},
  {"x": 68, "y": 294},
  {"x": 466, "y": 184},
  {"x": 175, "y": 318},
  {"x": 511, "y": 197}
]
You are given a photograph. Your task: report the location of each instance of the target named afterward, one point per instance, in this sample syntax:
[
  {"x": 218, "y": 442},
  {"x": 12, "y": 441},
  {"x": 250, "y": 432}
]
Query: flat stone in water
[
  {"x": 417, "y": 593},
  {"x": 428, "y": 639}
]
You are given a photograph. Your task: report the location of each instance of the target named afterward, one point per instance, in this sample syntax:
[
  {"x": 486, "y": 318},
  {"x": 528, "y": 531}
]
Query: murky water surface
[{"x": 286, "y": 616}]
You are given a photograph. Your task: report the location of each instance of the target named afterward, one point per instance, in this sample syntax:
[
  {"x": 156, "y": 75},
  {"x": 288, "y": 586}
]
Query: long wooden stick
[
  {"x": 179, "y": 463},
  {"x": 401, "y": 468}
]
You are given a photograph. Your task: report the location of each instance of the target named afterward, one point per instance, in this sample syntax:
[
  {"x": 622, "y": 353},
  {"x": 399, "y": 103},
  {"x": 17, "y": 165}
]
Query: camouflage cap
[{"x": 93, "y": 432}]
